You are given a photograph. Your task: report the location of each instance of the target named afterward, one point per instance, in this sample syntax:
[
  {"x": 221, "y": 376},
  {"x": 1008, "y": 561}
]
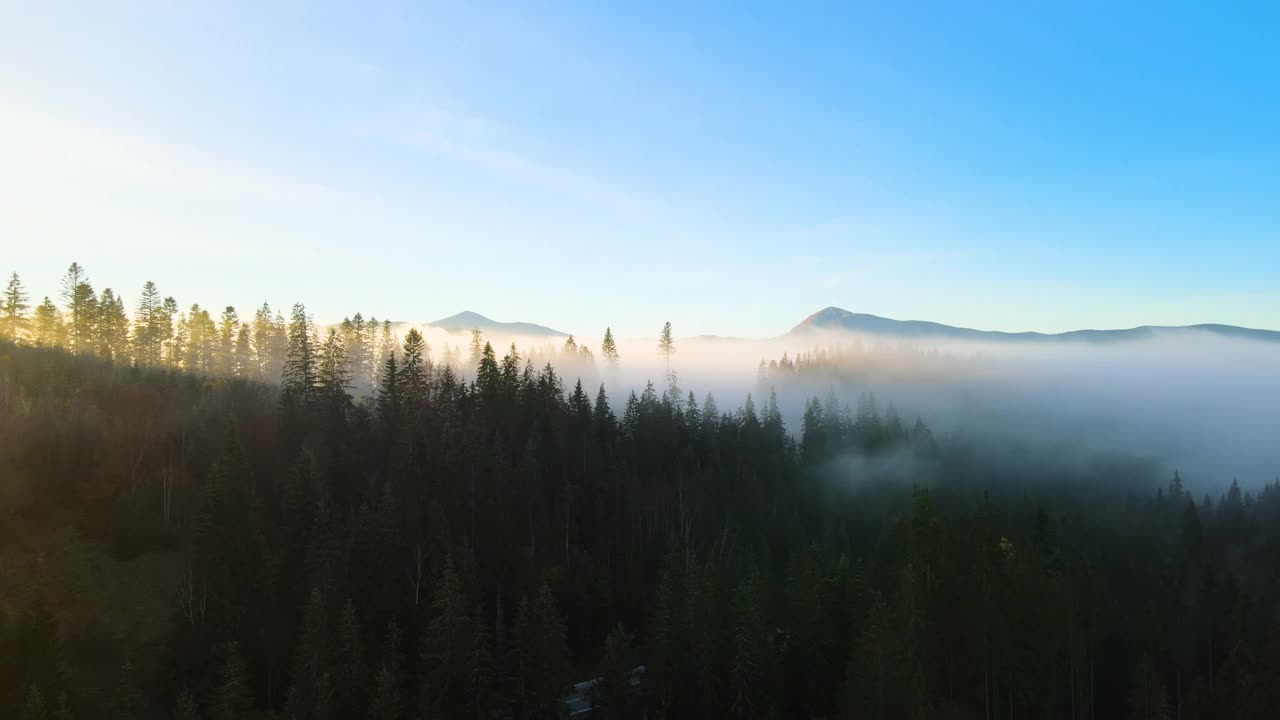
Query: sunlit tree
[{"x": 13, "y": 310}]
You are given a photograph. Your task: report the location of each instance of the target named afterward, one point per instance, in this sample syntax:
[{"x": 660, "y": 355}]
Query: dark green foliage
[{"x": 338, "y": 556}]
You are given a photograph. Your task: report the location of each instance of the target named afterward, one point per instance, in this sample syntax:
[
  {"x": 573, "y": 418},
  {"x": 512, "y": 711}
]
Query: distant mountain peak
[
  {"x": 468, "y": 320},
  {"x": 838, "y": 319},
  {"x": 463, "y": 318}
]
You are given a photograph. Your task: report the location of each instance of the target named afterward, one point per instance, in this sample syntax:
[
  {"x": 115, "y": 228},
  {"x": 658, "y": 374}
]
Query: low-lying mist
[{"x": 1197, "y": 402}]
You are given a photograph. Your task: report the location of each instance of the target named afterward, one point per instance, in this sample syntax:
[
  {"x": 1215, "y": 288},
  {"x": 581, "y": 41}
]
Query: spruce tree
[
  {"x": 13, "y": 310},
  {"x": 386, "y": 703},
  {"x": 232, "y": 698},
  {"x": 609, "y": 348},
  {"x": 413, "y": 370},
  {"x": 666, "y": 344},
  {"x": 148, "y": 333},
  {"x": 48, "y": 329},
  {"x": 299, "y": 378}
]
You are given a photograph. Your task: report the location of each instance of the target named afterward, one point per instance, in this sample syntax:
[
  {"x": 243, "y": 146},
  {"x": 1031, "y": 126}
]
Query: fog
[{"x": 1194, "y": 401}]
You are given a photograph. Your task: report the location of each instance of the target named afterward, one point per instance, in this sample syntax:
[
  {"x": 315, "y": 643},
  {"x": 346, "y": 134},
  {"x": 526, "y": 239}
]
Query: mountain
[
  {"x": 838, "y": 319},
  {"x": 466, "y": 320}
]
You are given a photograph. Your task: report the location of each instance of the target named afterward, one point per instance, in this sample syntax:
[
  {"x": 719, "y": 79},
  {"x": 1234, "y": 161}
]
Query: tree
[
  {"x": 232, "y": 698},
  {"x": 300, "y": 359},
  {"x": 477, "y": 348},
  {"x": 609, "y": 348},
  {"x": 349, "y": 687},
  {"x": 35, "y": 709},
  {"x": 149, "y": 327},
  {"x": 185, "y": 708},
  {"x": 413, "y": 371},
  {"x": 228, "y": 328},
  {"x": 1149, "y": 700},
  {"x": 13, "y": 310},
  {"x": 333, "y": 377},
  {"x": 309, "y": 694},
  {"x": 48, "y": 328},
  {"x": 81, "y": 303},
  {"x": 447, "y": 647},
  {"x": 612, "y": 693},
  {"x": 112, "y": 326},
  {"x": 389, "y": 389},
  {"x": 543, "y": 657},
  {"x": 269, "y": 343},
  {"x": 386, "y": 703},
  {"x": 666, "y": 344}
]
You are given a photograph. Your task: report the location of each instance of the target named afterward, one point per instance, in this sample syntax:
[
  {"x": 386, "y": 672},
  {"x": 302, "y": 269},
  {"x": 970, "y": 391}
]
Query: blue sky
[{"x": 729, "y": 167}]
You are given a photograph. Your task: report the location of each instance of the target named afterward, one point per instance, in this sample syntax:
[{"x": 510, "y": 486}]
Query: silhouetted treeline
[{"x": 444, "y": 547}]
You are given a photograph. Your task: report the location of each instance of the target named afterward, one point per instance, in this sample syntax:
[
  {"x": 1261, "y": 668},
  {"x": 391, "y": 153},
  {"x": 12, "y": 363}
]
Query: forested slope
[{"x": 180, "y": 543}]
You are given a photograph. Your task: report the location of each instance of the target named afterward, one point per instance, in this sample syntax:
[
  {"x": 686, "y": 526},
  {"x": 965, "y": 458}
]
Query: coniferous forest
[{"x": 204, "y": 515}]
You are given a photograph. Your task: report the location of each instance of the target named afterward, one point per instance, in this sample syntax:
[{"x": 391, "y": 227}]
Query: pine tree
[
  {"x": 413, "y": 370},
  {"x": 300, "y": 359},
  {"x": 47, "y": 326},
  {"x": 1149, "y": 700},
  {"x": 666, "y": 345},
  {"x": 332, "y": 378},
  {"x": 228, "y": 329},
  {"x": 79, "y": 298},
  {"x": 311, "y": 660},
  {"x": 185, "y": 708},
  {"x": 349, "y": 686},
  {"x": 613, "y": 694},
  {"x": 389, "y": 389},
  {"x": 447, "y": 647},
  {"x": 172, "y": 348},
  {"x": 232, "y": 699},
  {"x": 488, "y": 377},
  {"x": 245, "y": 363},
  {"x": 609, "y": 348},
  {"x": 13, "y": 310},
  {"x": 112, "y": 326},
  {"x": 148, "y": 330},
  {"x": 477, "y": 348},
  {"x": 386, "y": 703},
  {"x": 34, "y": 708}
]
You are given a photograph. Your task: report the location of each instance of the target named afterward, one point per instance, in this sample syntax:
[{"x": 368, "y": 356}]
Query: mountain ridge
[
  {"x": 834, "y": 318},
  {"x": 466, "y": 320}
]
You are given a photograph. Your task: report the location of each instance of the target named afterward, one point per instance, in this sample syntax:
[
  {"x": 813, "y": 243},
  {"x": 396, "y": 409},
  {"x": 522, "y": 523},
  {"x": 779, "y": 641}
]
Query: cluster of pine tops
[{"x": 341, "y": 528}]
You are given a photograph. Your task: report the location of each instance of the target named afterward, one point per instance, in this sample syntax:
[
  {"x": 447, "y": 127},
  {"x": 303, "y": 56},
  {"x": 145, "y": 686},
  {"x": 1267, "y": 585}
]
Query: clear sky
[{"x": 732, "y": 168}]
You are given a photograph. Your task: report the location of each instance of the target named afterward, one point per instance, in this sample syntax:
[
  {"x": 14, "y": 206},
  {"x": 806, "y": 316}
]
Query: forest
[{"x": 204, "y": 516}]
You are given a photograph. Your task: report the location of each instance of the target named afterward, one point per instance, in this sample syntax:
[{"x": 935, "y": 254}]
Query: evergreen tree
[
  {"x": 413, "y": 370},
  {"x": 1149, "y": 700},
  {"x": 35, "y": 709},
  {"x": 477, "y": 348},
  {"x": 148, "y": 331},
  {"x": 13, "y": 310},
  {"x": 332, "y": 378},
  {"x": 666, "y": 345},
  {"x": 299, "y": 378},
  {"x": 612, "y": 694},
  {"x": 78, "y": 295},
  {"x": 387, "y": 703},
  {"x": 112, "y": 327},
  {"x": 309, "y": 692},
  {"x": 48, "y": 328},
  {"x": 447, "y": 648},
  {"x": 185, "y": 708},
  {"x": 609, "y": 348},
  {"x": 232, "y": 699},
  {"x": 228, "y": 329}
]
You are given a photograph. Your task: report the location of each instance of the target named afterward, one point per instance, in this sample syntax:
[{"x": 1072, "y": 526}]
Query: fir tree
[
  {"x": 609, "y": 348},
  {"x": 13, "y": 310},
  {"x": 300, "y": 359}
]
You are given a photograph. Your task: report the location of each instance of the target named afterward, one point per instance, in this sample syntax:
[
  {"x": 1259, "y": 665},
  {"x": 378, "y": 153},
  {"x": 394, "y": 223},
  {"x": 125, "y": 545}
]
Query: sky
[{"x": 730, "y": 167}]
